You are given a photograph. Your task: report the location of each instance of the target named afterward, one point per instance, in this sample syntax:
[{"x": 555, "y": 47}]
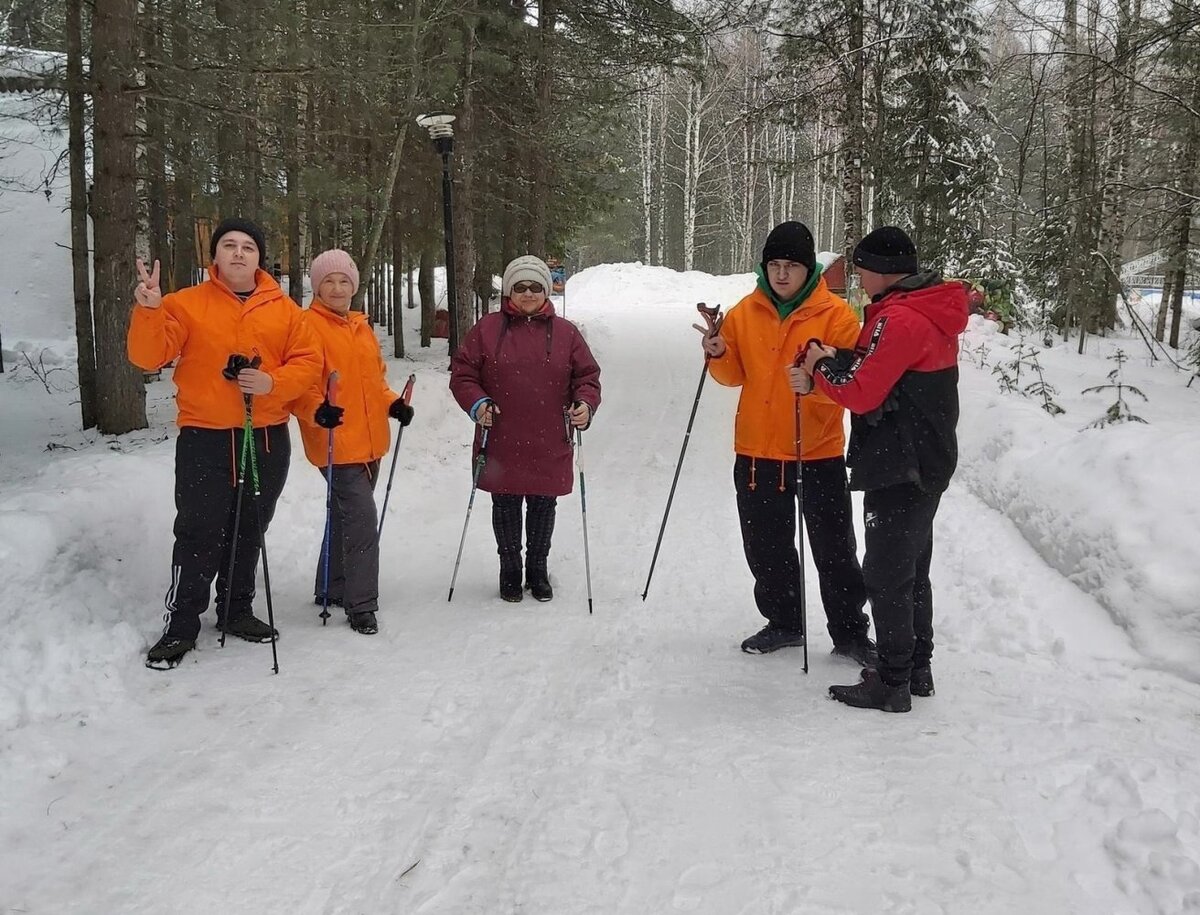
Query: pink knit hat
[{"x": 335, "y": 260}]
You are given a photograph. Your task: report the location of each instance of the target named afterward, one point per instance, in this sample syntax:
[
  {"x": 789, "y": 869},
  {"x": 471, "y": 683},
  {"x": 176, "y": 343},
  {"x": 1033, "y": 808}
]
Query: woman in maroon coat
[{"x": 528, "y": 376}]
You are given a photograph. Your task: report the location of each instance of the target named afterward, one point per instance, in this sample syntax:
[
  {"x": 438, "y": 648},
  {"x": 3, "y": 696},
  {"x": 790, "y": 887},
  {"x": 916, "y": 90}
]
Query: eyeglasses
[{"x": 522, "y": 288}]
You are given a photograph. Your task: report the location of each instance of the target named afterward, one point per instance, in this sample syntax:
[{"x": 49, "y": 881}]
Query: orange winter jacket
[
  {"x": 760, "y": 349},
  {"x": 349, "y": 347},
  {"x": 202, "y": 326}
]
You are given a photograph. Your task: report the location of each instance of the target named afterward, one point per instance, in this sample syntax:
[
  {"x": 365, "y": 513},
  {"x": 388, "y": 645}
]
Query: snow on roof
[
  {"x": 24, "y": 69},
  {"x": 16, "y": 61},
  {"x": 1152, "y": 260}
]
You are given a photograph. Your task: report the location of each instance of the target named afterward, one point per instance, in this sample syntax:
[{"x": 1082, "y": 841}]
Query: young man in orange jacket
[
  {"x": 238, "y": 310},
  {"x": 358, "y": 417},
  {"x": 755, "y": 348},
  {"x": 900, "y": 382}
]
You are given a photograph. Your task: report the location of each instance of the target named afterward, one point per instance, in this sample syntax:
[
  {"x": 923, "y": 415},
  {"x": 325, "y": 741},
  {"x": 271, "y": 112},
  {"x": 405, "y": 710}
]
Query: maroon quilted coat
[{"x": 533, "y": 367}]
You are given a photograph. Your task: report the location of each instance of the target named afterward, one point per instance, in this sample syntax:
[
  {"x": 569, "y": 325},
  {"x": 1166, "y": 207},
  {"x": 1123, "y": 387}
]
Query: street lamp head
[{"x": 438, "y": 125}]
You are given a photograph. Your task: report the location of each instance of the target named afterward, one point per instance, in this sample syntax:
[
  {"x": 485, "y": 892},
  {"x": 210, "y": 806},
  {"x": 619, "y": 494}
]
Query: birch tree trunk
[
  {"x": 1115, "y": 194},
  {"x": 691, "y": 166},
  {"x": 645, "y": 126},
  {"x": 854, "y": 154},
  {"x": 85, "y": 339},
  {"x": 661, "y": 233}
]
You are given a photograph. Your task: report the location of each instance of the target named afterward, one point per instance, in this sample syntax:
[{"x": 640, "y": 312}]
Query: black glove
[
  {"x": 401, "y": 411},
  {"x": 328, "y": 416}
]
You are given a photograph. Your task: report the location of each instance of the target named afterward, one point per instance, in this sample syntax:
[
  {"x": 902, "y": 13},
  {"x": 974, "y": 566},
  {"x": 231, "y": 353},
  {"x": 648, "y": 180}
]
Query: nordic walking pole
[
  {"x": 479, "y": 462},
  {"x": 326, "y": 545},
  {"x": 406, "y": 396},
  {"x": 236, "y": 363},
  {"x": 713, "y": 317},
  {"x": 587, "y": 560},
  {"x": 247, "y": 434},
  {"x": 262, "y": 543},
  {"x": 800, "y": 514},
  {"x": 800, "y": 502}
]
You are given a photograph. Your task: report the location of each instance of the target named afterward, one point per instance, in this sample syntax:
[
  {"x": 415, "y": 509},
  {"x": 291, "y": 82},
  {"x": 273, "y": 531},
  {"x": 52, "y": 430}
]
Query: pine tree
[
  {"x": 1118, "y": 411},
  {"x": 940, "y": 169}
]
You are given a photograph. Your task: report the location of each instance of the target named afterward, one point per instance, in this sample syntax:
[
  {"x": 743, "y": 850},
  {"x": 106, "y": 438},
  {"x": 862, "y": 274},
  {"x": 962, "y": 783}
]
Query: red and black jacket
[{"x": 900, "y": 382}]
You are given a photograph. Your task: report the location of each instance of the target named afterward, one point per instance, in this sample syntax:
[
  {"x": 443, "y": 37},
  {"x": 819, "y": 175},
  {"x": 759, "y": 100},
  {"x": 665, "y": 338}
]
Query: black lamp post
[{"x": 442, "y": 135}]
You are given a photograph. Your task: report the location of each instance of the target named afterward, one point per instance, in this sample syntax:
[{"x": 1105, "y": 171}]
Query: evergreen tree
[{"x": 939, "y": 170}]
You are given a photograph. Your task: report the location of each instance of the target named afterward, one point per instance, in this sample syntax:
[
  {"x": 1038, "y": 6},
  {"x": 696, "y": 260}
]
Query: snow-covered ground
[{"x": 481, "y": 757}]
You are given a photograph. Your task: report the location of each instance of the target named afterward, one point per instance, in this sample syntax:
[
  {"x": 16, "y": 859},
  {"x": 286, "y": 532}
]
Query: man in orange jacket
[
  {"x": 757, "y": 344},
  {"x": 238, "y": 310},
  {"x": 358, "y": 418}
]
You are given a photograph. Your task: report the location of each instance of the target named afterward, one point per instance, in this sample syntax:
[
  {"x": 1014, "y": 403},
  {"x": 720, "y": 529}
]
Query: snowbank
[
  {"x": 1146, "y": 303},
  {"x": 1117, "y": 509},
  {"x": 75, "y": 590},
  {"x": 658, "y": 286}
]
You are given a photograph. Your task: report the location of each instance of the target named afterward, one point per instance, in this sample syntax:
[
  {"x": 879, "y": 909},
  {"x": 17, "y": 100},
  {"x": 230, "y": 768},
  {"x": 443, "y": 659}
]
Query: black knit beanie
[
  {"x": 887, "y": 250},
  {"x": 237, "y": 224},
  {"x": 790, "y": 241}
]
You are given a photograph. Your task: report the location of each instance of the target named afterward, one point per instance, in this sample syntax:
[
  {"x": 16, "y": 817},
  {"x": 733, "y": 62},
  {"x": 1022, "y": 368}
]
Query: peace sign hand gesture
[{"x": 148, "y": 294}]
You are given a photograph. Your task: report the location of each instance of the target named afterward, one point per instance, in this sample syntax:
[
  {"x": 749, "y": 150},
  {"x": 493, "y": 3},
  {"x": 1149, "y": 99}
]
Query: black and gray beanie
[
  {"x": 791, "y": 241},
  {"x": 237, "y": 224},
  {"x": 887, "y": 250}
]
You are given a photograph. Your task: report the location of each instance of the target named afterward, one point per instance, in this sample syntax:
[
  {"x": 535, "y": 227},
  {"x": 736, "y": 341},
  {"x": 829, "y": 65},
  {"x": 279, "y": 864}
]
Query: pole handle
[
  {"x": 712, "y": 317},
  {"x": 803, "y": 351}
]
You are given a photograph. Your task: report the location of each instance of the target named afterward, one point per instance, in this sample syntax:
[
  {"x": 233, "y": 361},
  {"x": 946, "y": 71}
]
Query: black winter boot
[
  {"x": 920, "y": 682},
  {"x": 510, "y": 579},
  {"x": 168, "y": 652},
  {"x": 248, "y": 627},
  {"x": 364, "y": 622},
  {"x": 506, "y": 523},
  {"x": 772, "y": 638},
  {"x": 872, "y": 692},
  {"x": 539, "y": 530},
  {"x": 537, "y": 580}
]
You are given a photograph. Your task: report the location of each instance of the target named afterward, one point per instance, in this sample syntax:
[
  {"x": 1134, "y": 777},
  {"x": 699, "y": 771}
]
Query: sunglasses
[{"x": 521, "y": 288}]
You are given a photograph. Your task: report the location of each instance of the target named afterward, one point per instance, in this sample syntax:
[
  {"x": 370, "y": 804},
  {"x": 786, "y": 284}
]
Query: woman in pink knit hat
[{"x": 357, "y": 412}]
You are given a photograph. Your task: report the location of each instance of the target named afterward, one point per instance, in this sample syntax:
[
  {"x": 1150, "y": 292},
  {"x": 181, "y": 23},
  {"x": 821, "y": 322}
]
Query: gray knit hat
[{"x": 528, "y": 269}]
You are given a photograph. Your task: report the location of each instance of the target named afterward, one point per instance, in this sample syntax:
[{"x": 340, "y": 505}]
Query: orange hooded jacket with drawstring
[
  {"x": 202, "y": 326},
  {"x": 760, "y": 348},
  {"x": 348, "y": 346}
]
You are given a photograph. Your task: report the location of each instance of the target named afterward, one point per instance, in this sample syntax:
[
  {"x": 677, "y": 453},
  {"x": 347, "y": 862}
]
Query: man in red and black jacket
[{"x": 900, "y": 382}]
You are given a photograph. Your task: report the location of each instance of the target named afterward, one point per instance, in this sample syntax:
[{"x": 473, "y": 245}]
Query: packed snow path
[{"x": 534, "y": 759}]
